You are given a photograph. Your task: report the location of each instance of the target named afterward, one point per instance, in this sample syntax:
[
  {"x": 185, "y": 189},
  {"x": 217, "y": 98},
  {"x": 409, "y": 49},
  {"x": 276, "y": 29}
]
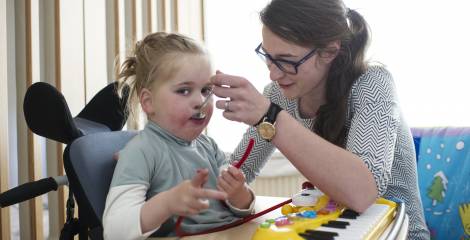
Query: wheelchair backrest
[{"x": 89, "y": 165}]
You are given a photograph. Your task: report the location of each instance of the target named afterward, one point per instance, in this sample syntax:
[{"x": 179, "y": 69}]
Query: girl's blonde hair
[{"x": 153, "y": 59}]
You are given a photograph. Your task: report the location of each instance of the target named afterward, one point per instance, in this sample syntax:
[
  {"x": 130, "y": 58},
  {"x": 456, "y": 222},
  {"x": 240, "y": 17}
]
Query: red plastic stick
[{"x": 246, "y": 154}]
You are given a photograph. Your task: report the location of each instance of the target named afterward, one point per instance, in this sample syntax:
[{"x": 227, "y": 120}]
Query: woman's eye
[{"x": 183, "y": 91}]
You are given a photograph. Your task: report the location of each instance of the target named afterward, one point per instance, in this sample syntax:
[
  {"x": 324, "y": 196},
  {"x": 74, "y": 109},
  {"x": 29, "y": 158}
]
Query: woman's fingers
[
  {"x": 232, "y": 87},
  {"x": 242, "y": 102},
  {"x": 235, "y": 116},
  {"x": 229, "y": 106},
  {"x": 222, "y": 79},
  {"x": 228, "y": 92}
]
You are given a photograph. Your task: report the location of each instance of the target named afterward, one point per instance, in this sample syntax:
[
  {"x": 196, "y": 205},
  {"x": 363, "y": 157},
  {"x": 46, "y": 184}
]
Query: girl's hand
[
  {"x": 189, "y": 197},
  {"x": 232, "y": 181},
  {"x": 244, "y": 104}
]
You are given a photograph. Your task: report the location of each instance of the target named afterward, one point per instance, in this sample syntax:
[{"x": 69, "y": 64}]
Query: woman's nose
[{"x": 274, "y": 72}]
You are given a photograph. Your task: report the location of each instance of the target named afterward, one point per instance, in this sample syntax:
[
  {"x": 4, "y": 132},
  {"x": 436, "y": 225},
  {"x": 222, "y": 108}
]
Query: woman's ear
[
  {"x": 329, "y": 53},
  {"x": 146, "y": 101}
]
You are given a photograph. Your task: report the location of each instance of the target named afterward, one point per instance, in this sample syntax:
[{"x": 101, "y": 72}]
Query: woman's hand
[
  {"x": 189, "y": 197},
  {"x": 244, "y": 104},
  {"x": 232, "y": 181}
]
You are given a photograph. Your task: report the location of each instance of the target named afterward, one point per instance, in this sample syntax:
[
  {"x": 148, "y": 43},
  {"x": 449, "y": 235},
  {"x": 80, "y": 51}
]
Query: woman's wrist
[{"x": 265, "y": 109}]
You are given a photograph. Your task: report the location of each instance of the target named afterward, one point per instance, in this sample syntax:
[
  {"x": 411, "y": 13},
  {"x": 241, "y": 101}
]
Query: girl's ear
[
  {"x": 329, "y": 53},
  {"x": 145, "y": 99}
]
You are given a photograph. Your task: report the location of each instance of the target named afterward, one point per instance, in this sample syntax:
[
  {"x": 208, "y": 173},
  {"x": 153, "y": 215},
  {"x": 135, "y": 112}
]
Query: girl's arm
[{"x": 121, "y": 217}]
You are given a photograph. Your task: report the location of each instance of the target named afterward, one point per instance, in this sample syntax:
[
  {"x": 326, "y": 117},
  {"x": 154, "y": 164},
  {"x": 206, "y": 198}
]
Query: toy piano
[{"x": 313, "y": 215}]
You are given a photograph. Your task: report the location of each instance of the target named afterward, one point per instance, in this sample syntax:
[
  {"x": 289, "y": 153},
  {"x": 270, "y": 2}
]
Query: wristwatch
[{"x": 266, "y": 126}]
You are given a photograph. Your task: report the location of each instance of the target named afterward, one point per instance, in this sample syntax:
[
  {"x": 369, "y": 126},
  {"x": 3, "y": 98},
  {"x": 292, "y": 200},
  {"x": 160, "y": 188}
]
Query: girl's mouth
[{"x": 198, "y": 117}]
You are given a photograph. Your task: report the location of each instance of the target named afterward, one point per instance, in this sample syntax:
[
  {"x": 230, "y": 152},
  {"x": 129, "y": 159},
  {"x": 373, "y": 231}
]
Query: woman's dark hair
[{"x": 316, "y": 23}]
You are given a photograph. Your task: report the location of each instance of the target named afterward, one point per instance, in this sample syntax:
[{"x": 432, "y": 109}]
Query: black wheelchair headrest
[
  {"x": 47, "y": 113},
  {"x": 107, "y": 108}
]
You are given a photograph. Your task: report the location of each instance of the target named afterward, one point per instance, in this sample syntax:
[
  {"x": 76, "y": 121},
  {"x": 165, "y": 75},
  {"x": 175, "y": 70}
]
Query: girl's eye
[
  {"x": 183, "y": 91},
  {"x": 206, "y": 91}
]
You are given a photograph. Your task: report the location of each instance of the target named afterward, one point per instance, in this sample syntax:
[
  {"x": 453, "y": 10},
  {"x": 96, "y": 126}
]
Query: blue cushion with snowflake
[{"x": 444, "y": 180}]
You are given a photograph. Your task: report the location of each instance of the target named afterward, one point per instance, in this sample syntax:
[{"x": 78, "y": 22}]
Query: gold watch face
[{"x": 266, "y": 130}]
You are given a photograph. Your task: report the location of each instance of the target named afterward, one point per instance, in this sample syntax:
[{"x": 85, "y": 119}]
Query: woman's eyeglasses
[{"x": 286, "y": 66}]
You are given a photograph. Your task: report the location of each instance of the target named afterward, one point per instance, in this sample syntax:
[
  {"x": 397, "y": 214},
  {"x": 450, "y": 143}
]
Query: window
[{"x": 234, "y": 33}]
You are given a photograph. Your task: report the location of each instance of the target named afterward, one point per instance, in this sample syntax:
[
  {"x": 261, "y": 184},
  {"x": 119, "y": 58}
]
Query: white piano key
[{"x": 360, "y": 227}]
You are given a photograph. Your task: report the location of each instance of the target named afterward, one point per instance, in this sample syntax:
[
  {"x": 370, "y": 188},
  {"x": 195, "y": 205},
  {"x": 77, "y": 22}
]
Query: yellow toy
[
  {"x": 312, "y": 214},
  {"x": 308, "y": 199}
]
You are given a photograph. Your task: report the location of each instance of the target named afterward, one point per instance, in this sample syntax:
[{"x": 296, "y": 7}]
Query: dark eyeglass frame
[{"x": 278, "y": 61}]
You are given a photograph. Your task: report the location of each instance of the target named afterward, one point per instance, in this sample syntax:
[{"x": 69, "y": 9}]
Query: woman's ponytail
[{"x": 359, "y": 40}]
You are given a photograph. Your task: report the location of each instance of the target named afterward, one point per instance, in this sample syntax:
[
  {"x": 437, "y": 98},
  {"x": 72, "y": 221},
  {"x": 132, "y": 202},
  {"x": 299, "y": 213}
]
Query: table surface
[{"x": 246, "y": 230}]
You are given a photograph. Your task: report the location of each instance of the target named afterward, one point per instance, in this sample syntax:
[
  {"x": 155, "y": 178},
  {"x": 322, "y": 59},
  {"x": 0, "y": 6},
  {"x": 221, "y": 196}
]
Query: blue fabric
[
  {"x": 417, "y": 142},
  {"x": 444, "y": 180}
]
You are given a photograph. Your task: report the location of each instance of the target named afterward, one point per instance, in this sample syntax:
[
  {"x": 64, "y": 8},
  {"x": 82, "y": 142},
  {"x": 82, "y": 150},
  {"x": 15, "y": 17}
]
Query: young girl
[{"x": 170, "y": 169}]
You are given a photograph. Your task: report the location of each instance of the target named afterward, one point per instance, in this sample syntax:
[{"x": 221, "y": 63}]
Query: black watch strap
[{"x": 271, "y": 115}]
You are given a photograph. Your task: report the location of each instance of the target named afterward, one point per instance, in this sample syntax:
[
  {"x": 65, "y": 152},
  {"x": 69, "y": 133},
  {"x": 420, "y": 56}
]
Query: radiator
[
  {"x": 281, "y": 186},
  {"x": 278, "y": 178}
]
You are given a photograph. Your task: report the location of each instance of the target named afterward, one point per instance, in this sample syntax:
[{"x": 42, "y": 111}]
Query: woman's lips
[{"x": 285, "y": 86}]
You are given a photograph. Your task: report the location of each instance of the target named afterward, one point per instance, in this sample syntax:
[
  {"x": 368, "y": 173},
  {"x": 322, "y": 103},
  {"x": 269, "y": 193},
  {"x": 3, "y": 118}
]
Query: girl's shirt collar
[{"x": 154, "y": 127}]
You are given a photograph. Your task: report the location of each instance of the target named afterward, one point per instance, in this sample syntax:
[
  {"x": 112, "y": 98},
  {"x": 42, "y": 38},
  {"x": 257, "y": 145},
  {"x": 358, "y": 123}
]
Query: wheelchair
[{"x": 92, "y": 138}]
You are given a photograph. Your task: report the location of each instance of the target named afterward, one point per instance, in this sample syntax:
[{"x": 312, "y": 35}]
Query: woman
[{"x": 334, "y": 116}]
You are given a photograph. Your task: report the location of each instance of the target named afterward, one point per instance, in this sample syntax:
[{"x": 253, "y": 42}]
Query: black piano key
[
  {"x": 339, "y": 222},
  {"x": 332, "y": 225},
  {"x": 349, "y": 214},
  {"x": 321, "y": 233},
  {"x": 336, "y": 224},
  {"x": 315, "y": 237}
]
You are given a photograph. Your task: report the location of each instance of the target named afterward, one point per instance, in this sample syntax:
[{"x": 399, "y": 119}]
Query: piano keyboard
[
  {"x": 361, "y": 226},
  {"x": 338, "y": 224}
]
